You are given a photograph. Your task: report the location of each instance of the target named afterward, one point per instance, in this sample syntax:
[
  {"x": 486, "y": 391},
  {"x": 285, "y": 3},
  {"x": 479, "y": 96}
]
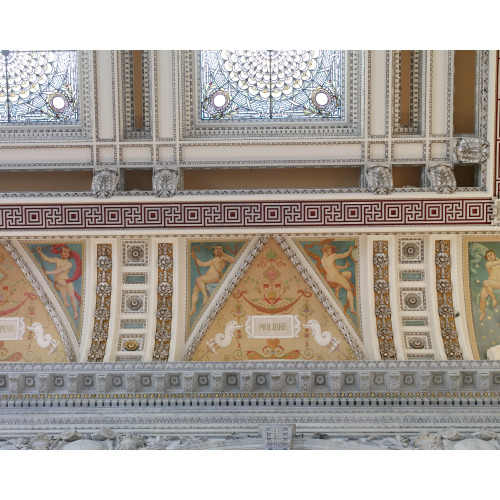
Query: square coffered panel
[
  {"x": 411, "y": 251},
  {"x": 135, "y": 253}
]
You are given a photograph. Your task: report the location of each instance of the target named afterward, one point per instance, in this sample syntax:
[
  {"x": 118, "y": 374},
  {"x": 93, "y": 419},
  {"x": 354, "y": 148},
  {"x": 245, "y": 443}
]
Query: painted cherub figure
[
  {"x": 216, "y": 267},
  {"x": 334, "y": 277},
  {"x": 491, "y": 284},
  {"x": 62, "y": 281}
]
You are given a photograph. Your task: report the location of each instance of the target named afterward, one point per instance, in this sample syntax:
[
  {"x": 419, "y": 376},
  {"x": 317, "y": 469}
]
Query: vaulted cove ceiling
[
  {"x": 305, "y": 296},
  {"x": 173, "y": 219}
]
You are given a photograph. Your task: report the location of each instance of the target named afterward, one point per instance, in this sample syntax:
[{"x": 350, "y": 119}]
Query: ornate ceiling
[{"x": 349, "y": 264}]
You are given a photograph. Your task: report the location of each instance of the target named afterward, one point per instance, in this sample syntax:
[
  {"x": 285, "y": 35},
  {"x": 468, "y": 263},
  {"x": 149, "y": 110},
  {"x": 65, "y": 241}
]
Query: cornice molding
[{"x": 342, "y": 383}]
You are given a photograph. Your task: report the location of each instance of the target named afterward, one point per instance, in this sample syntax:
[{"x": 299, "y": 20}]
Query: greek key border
[{"x": 245, "y": 214}]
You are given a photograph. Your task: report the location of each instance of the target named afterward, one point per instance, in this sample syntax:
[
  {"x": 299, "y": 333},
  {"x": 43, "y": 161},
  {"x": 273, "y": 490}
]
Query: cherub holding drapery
[{"x": 62, "y": 280}]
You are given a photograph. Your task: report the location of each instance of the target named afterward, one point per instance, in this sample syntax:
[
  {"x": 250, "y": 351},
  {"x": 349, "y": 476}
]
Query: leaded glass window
[
  {"x": 291, "y": 85},
  {"x": 39, "y": 87}
]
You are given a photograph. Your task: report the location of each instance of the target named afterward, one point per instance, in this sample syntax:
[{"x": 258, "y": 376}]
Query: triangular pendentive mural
[
  {"x": 62, "y": 265},
  {"x": 272, "y": 314},
  {"x": 208, "y": 263},
  {"x": 335, "y": 260},
  {"x": 482, "y": 296},
  {"x": 27, "y": 331}
]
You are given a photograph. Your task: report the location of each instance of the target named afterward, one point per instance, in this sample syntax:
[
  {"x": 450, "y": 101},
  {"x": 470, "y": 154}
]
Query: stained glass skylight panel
[
  {"x": 39, "y": 87},
  {"x": 292, "y": 85}
]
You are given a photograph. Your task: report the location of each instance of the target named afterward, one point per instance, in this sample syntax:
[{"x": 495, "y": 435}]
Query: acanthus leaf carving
[
  {"x": 442, "y": 178},
  {"x": 104, "y": 182},
  {"x": 165, "y": 182},
  {"x": 379, "y": 178},
  {"x": 471, "y": 150}
]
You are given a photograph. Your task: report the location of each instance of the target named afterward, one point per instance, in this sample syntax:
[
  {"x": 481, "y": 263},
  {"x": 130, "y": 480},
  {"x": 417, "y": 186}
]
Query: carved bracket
[
  {"x": 471, "y": 150},
  {"x": 442, "y": 178},
  {"x": 105, "y": 182},
  {"x": 165, "y": 182},
  {"x": 379, "y": 178}
]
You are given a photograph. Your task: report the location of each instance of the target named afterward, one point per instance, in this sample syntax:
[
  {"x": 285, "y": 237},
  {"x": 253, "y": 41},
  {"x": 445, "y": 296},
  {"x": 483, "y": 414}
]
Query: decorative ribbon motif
[
  {"x": 278, "y": 310},
  {"x": 29, "y": 295}
]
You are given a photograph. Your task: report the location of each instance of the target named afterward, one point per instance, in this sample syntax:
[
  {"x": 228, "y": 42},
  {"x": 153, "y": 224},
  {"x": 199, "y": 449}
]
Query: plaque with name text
[
  {"x": 12, "y": 328},
  {"x": 283, "y": 326}
]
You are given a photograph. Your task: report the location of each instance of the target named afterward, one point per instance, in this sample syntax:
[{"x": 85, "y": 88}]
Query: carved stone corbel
[
  {"x": 425, "y": 381},
  {"x": 165, "y": 182},
  {"x": 484, "y": 381},
  {"x": 379, "y": 178},
  {"x": 441, "y": 177},
  {"x": 471, "y": 150},
  {"x": 105, "y": 182}
]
